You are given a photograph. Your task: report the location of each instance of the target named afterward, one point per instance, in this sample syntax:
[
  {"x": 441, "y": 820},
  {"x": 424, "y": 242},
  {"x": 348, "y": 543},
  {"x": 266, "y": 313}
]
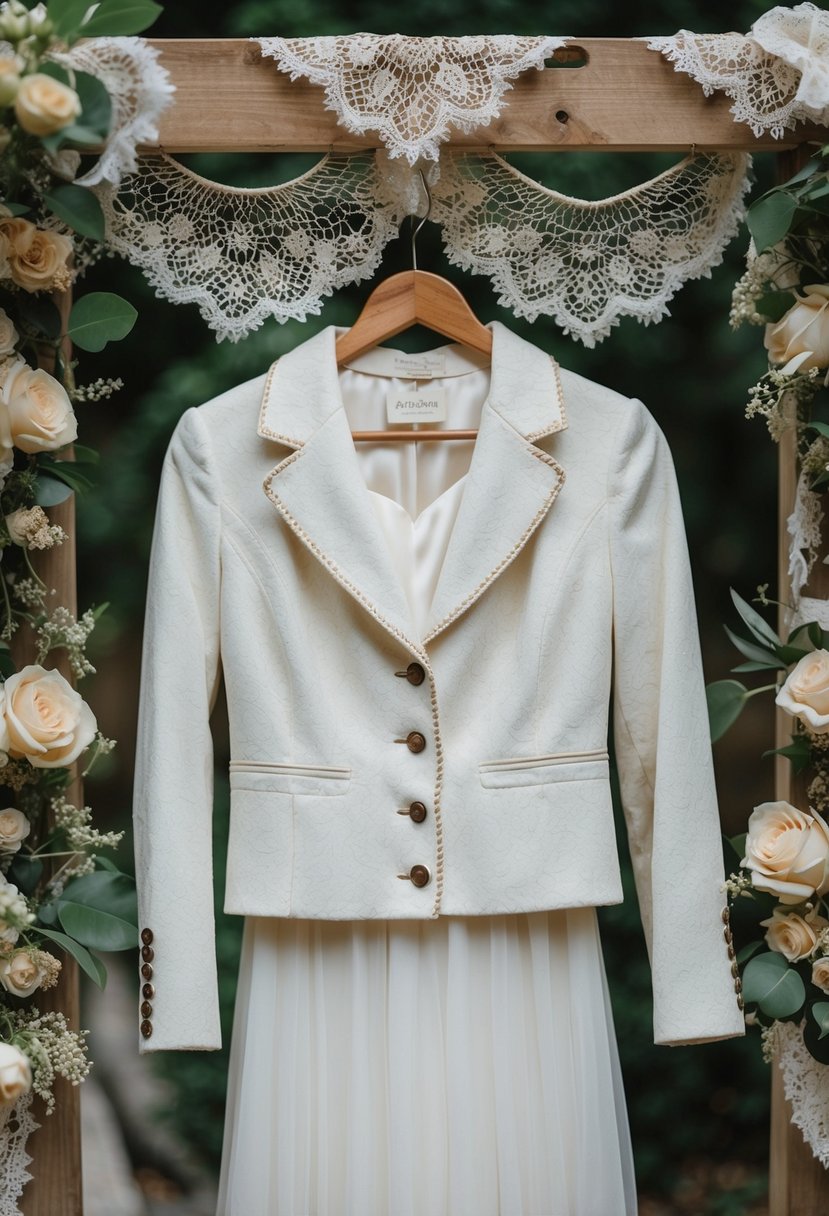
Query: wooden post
[{"x": 55, "y": 1148}]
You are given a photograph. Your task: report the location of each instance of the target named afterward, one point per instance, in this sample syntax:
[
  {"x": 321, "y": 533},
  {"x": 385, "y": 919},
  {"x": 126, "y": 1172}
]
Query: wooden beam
[{"x": 626, "y": 98}]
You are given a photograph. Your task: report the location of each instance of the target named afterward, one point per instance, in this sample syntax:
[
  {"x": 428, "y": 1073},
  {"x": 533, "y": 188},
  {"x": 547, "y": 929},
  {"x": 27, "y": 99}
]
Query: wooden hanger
[{"x": 410, "y": 298}]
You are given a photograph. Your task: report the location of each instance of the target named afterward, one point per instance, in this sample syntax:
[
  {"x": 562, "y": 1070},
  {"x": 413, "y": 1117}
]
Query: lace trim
[
  {"x": 140, "y": 90},
  {"x": 804, "y": 527},
  {"x": 243, "y": 255},
  {"x": 587, "y": 264},
  {"x": 411, "y": 91},
  {"x": 805, "y": 1086},
  {"x": 776, "y": 75},
  {"x": 16, "y": 1125}
]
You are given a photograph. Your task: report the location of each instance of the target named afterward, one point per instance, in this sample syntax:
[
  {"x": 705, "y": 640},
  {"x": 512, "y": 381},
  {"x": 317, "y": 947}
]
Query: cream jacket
[{"x": 565, "y": 590}]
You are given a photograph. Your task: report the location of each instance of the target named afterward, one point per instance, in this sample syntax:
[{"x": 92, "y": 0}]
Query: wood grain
[{"x": 626, "y": 98}]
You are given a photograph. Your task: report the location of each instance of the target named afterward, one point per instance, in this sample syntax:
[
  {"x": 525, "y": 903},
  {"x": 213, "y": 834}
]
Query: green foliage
[
  {"x": 726, "y": 699},
  {"x": 88, "y": 962},
  {"x": 771, "y": 984},
  {"x": 79, "y": 208},
  {"x": 99, "y": 910},
  {"x": 108, "y": 18},
  {"x": 100, "y": 317}
]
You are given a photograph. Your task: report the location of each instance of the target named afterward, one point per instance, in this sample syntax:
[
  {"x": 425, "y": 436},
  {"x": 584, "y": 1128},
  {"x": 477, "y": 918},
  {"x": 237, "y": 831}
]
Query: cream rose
[
  {"x": 787, "y": 852},
  {"x": 820, "y": 974},
  {"x": 37, "y": 257},
  {"x": 803, "y": 330},
  {"x": 14, "y": 828},
  {"x": 8, "y": 334},
  {"x": 15, "y": 1074},
  {"x": 44, "y": 105},
  {"x": 9, "y": 79},
  {"x": 49, "y": 723},
  {"x": 792, "y": 935},
  {"x": 805, "y": 694},
  {"x": 40, "y": 414},
  {"x": 20, "y": 974}
]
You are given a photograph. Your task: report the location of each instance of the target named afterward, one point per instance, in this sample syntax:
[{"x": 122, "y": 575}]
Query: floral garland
[
  {"x": 58, "y": 893},
  {"x": 779, "y": 892}
]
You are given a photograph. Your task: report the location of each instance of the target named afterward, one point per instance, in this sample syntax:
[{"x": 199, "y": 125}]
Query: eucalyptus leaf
[
  {"x": 742, "y": 667},
  {"x": 808, "y": 170},
  {"x": 98, "y": 318},
  {"x": 751, "y": 650},
  {"x": 726, "y": 699},
  {"x": 820, "y": 1012},
  {"x": 822, "y": 428},
  {"x": 47, "y": 914},
  {"x": 758, "y": 626},
  {"x": 747, "y": 951},
  {"x": 79, "y": 208},
  {"x": 67, "y": 16},
  {"x": 771, "y": 984},
  {"x": 49, "y": 491},
  {"x": 50, "y": 68},
  {"x": 117, "y": 17},
  {"x": 16, "y": 208},
  {"x": 93, "y": 966},
  {"x": 100, "y": 911},
  {"x": 96, "y": 111},
  {"x": 770, "y": 218},
  {"x": 815, "y": 1044}
]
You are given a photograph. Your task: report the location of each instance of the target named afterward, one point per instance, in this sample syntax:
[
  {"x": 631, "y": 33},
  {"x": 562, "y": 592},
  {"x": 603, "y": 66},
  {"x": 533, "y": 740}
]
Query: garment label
[
  {"x": 418, "y": 367},
  {"x": 426, "y": 406}
]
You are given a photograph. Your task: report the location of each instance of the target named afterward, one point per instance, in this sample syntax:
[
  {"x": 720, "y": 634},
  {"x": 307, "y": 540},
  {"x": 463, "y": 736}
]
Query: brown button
[
  {"x": 415, "y": 674},
  {"x": 147, "y": 971},
  {"x": 738, "y": 984},
  {"x": 146, "y": 1009},
  {"x": 417, "y": 811},
  {"x": 146, "y": 1028},
  {"x": 740, "y": 1001},
  {"x": 415, "y": 741},
  {"x": 735, "y": 969},
  {"x": 420, "y": 875},
  {"x": 727, "y": 934},
  {"x": 726, "y": 914},
  {"x": 146, "y": 936},
  {"x": 147, "y": 953},
  {"x": 148, "y": 992}
]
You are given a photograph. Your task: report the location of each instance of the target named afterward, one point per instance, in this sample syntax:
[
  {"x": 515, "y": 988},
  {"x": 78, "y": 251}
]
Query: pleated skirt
[{"x": 465, "y": 1066}]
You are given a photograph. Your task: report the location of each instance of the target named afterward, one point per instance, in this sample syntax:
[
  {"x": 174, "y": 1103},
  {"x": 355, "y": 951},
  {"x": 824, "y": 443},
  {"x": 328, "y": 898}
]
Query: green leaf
[
  {"x": 96, "y": 106},
  {"x": 100, "y": 910},
  {"x": 99, "y": 318},
  {"x": 67, "y": 16},
  {"x": 774, "y": 304},
  {"x": 75, "y": 133},
  {"x": 820, "y": 1012},
  {"x": 65, "y": 471},
  {"x": 738, "y": 844},
  {"x": 84, "y": 455},
  {"x": 25, "y": 872},
  {"x": 798, "y": 752},
  {"x": 50, "y": 68},
  {"x": 811, "y": 167},
  {"x": 49, "y": 491},
  {"x": 747, "y": 951},
  {"x": 758, "y": 626},
  {"x": 7, "y": 666},
  {"x": 742, "y": 667},
  {"x": 813, "y": 1041},
  {"x": 771, "y": 984},
  {"x": 40, "y": 312},
  {"x": 79, "y": 208},
  {"x": 116, "y": 17},
  {"x": 822, "y": 428},
  {"x": 770, "y": 218},
  {"x": 792, "y": 654},
  {"x": 17, "y": 208},
  {"x": 47, "y": 914},
  {"x": 751, "y": 651},
  {"x": 93, "y": 966},
  {"x": 726, "y": 699}
]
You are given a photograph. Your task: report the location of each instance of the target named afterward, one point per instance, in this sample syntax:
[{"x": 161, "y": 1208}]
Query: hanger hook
[{"x": 416, "y": 230}]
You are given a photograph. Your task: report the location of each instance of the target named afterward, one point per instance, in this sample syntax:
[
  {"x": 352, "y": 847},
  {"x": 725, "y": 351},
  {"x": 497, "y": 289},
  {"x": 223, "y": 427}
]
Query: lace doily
[
  {"x": 16, "y": 1125},
  {"x": 140, "y": 90},
  {"x": 805, "y": 530},
  {"x": 806, "y": 1085},
  {"x": 244, "y": 255},
  {"x": 776, "y": 75},
  {"x": 587, "y": 264},
  {"x": 411, "y": 91}
]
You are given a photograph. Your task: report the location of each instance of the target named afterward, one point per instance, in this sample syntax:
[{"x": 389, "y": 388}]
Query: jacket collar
[{"x": 320, "y": 493}]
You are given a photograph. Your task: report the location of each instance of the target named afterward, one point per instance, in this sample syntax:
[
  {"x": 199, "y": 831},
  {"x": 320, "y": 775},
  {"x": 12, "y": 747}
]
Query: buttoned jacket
[{"x": 565, "y": 591}]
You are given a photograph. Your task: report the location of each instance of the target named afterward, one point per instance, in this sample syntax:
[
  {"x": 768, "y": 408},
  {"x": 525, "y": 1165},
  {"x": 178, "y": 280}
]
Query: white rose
[
  {"x": 20, "y": 974},
  {"x": 820, "y": 974},
  {"x": 14, "y": 828},
  {"x": 40, "y": 414},
  {"x": 805, "y": 694},
  {"x": 792, "y": 935},
  {"x": 8, "y": 334},
  {"x": 49, "y": 723},
  {"x": 803, "y": 330},
  {"x": 787, "y": 852},
  {"x": 15, "y": 1074},
  {"x": 43, "y": 105}
]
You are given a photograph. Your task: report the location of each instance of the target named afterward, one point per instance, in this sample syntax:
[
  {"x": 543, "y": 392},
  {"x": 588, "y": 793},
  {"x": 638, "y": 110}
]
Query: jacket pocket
[
  {"x": 542, "y": 770},
  {"x": 317, "y": 779}
]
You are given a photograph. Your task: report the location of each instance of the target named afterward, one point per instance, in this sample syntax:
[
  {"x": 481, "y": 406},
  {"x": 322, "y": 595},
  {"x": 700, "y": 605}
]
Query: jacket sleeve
[
  {"x": 661, "y": 741},
  {"x": 173, "y": 795}
]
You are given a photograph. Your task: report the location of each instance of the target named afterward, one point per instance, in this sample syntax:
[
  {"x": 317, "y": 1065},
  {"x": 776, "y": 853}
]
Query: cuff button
[
  {"x": 147, "y": 936},
  {"x": 146, "y": 1009},
  {"x": 147, "y": 971},
  {"x": 146, "y": 1028}
]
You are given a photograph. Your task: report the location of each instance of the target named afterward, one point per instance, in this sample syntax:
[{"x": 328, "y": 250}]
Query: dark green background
[{"x": 699, "y": 1115}]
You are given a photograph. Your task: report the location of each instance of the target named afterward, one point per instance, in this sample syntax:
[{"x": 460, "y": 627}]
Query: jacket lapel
[{"x": 321, "y": 494}]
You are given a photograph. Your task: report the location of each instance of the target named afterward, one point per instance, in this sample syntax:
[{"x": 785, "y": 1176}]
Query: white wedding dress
[{"x": 465, "y": 1066}]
